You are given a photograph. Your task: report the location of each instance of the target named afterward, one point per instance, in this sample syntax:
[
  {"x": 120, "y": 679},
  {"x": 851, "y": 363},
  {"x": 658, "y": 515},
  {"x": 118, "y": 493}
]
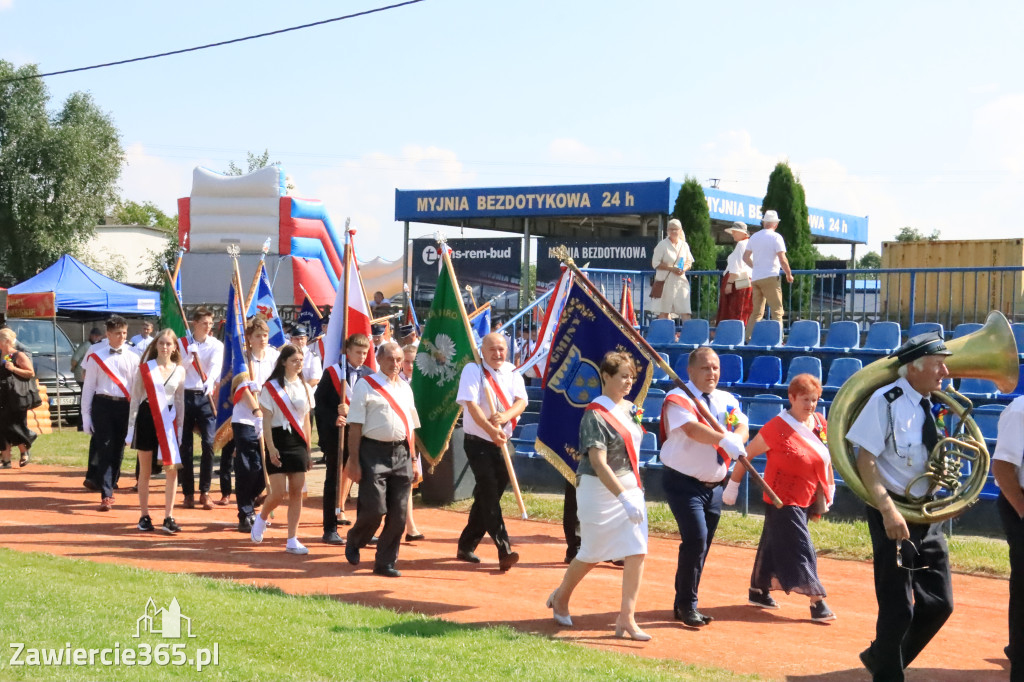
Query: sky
[{"x": 909, "y": 113}]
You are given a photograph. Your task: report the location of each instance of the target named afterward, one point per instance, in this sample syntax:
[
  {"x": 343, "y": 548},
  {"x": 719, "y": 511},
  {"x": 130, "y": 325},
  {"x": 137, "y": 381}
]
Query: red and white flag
[
  {"x": 626, "y": 304},
  {"x": 536, "y": 364},
  {"x": 357, "y": 307}
]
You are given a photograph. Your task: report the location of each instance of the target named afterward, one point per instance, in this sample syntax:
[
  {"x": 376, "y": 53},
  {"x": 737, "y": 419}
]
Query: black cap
[
  {"x": 405, "y": 330},
  {"x": 96, "y": 331},
  {"x": 376, "y": 329},
  {"x": 920, "y": 346},
  {"x": 300, "y": 330}
]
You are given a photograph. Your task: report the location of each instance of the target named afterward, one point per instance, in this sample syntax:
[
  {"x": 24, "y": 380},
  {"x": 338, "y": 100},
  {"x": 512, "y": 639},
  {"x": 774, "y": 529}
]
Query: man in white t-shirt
[
  {"x": 1008, "y": 469},
  {"x": 766, "y": 254}
]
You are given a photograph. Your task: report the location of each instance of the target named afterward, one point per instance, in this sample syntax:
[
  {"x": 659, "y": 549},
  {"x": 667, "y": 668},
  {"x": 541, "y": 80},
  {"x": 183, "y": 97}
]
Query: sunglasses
[{"x": 899, "y": 556}]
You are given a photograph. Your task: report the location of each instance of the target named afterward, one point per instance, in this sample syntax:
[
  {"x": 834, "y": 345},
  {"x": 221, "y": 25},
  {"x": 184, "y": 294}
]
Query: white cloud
[
  {"x": 150, "y": 178},
  {"x": 6, "y": 5}
]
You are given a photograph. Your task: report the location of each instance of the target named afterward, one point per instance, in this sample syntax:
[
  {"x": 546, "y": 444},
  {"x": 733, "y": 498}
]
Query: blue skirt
[{"x": 786, "y": 559}]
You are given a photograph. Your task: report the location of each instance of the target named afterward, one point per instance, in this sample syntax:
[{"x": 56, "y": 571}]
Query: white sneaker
[
  {"x": 295, "y": 547},
  {"x": 258, "y": 526}
]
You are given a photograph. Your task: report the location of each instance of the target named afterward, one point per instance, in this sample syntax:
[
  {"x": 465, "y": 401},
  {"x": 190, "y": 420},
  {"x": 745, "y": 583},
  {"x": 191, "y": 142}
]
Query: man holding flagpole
[
  {"x": 489, "y": 422},
  {"x": 205, "y": 356}
]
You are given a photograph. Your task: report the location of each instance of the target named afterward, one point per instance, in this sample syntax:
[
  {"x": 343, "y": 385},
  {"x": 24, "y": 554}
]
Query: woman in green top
[{"x": 612, "y": 512}]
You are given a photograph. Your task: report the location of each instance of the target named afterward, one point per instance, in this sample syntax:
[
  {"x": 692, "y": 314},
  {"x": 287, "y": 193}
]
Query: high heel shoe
[
  {"x": 566, "y": 620},
  {"x": 637, "y": 635}
]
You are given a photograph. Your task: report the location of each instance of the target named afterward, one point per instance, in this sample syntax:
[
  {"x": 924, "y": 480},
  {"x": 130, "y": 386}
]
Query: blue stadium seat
[
  {"x": 524, "y": 442},
  {"x": 680, "y": 367},
  {"x": 978, "y": 388},
  {"x": 659, "y": 373},
  {"x": 693, "y": 334},
  {"x": 987, "y": 419},
  {"x": 529, "y": 418},
  {"x": 842, "y": 336},
  {"x": 649, "y": 441},
  {"x": 765, "y": 372},
  {"x": 1018, "y": 334},
  {"x": 529, "y": 432},
  {"x": 728, "y": 335},
  {"x": 732, "y": 369},
  {"x": 652, "y": 391},
  {"x": 803, "y": 336},
  {"x": 966, "y": 328},
  {"x": 925, "y": 328},
  {"x": 883, "y": 338},
  {"x": 767, "y": 335},
  {"x": 1019, "y": 390},
  {"x": 761, "y": 411},
  {"x": 652, "y": 409},
  {"x": 803, "y": 364},
  {"x": 840, "y": 370},
  {"x": 661, "y": 331}
]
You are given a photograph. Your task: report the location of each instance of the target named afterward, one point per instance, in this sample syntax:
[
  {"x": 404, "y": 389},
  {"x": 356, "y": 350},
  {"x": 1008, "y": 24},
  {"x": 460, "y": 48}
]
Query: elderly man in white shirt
[
  {"x": 382, "y": 420},
  {"x": 766, "y": 254}
]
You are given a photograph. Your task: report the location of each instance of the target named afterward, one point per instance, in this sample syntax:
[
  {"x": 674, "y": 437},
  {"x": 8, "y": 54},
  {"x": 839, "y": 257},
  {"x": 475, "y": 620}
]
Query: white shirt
[
  {"x": 765, "y": 247},
  {"x": 312, "y": 370},
  {"x": 140, "y": 342},
  {"x": 874, "y": 430},
  {"x": 299, "y": 395},
  {"x": 372, "y": 410},
  {"x": 735, "y": 265},
  {"x": 97, "y": 382},
  {"x": 210, "y": 353},
  {"x": 174, "y": 389},
  {"x": 1010, "y": 442},
  {"x": 241, "y": 413},
  {"x": 471, "y": 391},
  {"x": 686, "y": 455}
]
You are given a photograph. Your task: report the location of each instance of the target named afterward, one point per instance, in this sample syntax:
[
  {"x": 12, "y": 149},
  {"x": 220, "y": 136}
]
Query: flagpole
[
  {"x": 637, "y": 337},
  {"x": 472, "y": 298},
  {"x": 255, "y": 277},
  {"x": 512, "y": 479},
  {"x": 311, "y": 301},
  {"x": 343, "y": 362}
]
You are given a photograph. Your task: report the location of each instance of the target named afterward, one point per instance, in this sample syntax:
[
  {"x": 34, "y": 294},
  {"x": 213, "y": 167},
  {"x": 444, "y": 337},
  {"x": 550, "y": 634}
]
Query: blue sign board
[{"x": 747, "y": 209}]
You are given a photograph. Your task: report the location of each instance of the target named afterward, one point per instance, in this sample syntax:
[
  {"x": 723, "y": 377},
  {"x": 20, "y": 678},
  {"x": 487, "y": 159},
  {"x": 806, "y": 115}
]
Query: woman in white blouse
[
  {"x": 671, "y": 260},
  {"x": 286, "y": 402},
  {"x": 734, "y": 294},
  {"x": 154, "y": 422}
]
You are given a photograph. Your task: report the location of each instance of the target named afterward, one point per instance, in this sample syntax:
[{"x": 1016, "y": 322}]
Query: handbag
[
  {"x": 26, "y": 392},
  {"x": 657, "y": 288},
  {"x": 741, "y": 283}
]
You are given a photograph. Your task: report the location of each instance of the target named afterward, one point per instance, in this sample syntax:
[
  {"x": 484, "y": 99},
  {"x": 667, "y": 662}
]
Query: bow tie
[{"x": 115, "y": 351}]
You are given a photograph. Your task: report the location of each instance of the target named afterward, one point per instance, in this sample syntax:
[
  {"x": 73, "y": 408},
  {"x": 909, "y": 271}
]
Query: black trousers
[
  {"x": 697, "y": 510},
  {"x": 249, "y": 481},
  {"x": 383, "y": 494},
  {"x": 491, "y": 480},
  {"x": 912, "y": 605},
  {"x": 110, "y": 428},
  {"x": 328, "y": 432},
  {"x": 1014, "y": 528},
  {"x": 570, "y": 521},
  {"x": 227, "y": 457},
  {"x": 198, "y": 417}
]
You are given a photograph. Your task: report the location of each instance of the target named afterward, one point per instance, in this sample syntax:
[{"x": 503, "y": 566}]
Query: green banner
[
  {"x": 446, "y": 347},
  {"x": 170, "y": 310}
]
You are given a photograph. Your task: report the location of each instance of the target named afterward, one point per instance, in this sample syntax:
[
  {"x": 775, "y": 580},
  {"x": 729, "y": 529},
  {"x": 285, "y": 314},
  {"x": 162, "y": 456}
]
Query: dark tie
[
  {"x": 929, "y": 433},
  {"x": 115, "y": 351},
  {"x": 707, "y": 399}
]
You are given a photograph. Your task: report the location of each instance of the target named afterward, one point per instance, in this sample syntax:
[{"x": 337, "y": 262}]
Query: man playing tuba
[{"x": 896, "y": 433}]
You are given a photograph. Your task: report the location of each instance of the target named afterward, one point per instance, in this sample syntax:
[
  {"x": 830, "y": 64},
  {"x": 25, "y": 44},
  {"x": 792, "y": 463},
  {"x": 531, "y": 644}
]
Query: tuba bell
[{"x": 958, "y": 465}]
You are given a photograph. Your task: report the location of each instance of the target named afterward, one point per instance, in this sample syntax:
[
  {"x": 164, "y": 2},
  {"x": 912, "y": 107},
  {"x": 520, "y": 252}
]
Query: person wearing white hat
[
  {"x": 766, "y": 255},
  {"x": 671, "y": 260},
  {"x": 734, "y": 296}
]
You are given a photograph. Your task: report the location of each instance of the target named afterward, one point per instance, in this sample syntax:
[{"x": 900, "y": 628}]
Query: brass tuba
[{"x": 989, "y": 353}]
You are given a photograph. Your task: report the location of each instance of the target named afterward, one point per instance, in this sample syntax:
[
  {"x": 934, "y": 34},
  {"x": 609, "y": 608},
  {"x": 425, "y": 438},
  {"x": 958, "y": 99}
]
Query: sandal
[
  {"x": 6, "y": 464},
  {"x": 25, "y": 457}
]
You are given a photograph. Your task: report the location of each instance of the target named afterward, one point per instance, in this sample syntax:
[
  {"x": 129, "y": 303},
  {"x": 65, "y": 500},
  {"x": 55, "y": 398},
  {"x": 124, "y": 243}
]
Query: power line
[{"x": 209, "y": 45}]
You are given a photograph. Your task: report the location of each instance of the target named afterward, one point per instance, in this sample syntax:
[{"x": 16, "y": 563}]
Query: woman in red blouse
[{"x": 799, "y": 470}]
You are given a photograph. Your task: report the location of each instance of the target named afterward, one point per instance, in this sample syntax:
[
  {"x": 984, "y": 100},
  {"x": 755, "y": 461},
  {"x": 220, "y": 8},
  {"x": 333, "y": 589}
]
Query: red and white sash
[
  {"x": 503, "y": 398},
  {"x": 110, "y": 373},
  {"x": 807, "y": 437},
  {"x": 164, "y": 415},
  {"x": 406, "y": 421},
  {"x": 184, "y": 344},
  {"x": 340, "y": 385},
  {"x": 284, "y": 403},
  {"x": 629, "y": 432},
  {"x": 682, "y": 401}
]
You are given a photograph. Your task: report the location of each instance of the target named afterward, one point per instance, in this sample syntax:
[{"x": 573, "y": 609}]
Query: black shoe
[
  {"x": 508, "y": 561},
  {"x": 820, "y": 612},
  {"x": 333, "y": 538},
  {"x": 616, "y": 562},
  {"x": 414, "y": 538},
  {"x": 762, "y": 599},
  {"x": 373, "y": 541},
  {"x": 145, "y": 523},
  {"x": 87, "y": 484},
  {"x": 692, "y": 617},
  {"x": 388, "y": 571},
  {"x": 170, "y": 526},
  {"x": 245, "y": 525},
  {"x": 352, "y": 554},
  {"x": 7, "y": 465},
  {"x": 1006, "y": 650},
  {"x": 868, "y": 660},
  {"x": 467, "y": 555}
]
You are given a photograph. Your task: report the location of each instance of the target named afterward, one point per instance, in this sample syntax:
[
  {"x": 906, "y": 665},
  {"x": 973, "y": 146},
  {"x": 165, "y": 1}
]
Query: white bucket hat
[
  {"x": 770, "y": 217},
  {"x": 738, "y": 227}
]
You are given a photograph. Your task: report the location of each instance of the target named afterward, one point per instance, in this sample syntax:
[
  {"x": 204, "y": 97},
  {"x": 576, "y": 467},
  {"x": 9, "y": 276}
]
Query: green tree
[
  {"x": 870, "y": 261},
  {"x": 146, "y": 213},
  {"x": 691, "y": 209},
  {"x": 912, "y": 234},
  {"x": 253, "y": 163},
  {"x": 786, "y": 196},
  {"x": 58, "y": 172}
]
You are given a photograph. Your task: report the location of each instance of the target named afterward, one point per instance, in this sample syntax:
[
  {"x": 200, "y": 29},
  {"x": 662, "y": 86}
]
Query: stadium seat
[
  {"x": 529, "y": 418},
  {"x": 987, "y": 419},
  {"x": 803, "y": 336},
  {"x": 803, "y": 364},
  {"x": 661, "y": 331},
  {"x": 842, "y": 336},
  {"x": 694, "y": 333},
  {"x": 767, "y": 335},
  {"x": 925, "y": 328},
  {"x": 652, "y": 391},
  {"x": 765, "y": 372},
  {"x": 649, "y": 441},
  {"x": 759, "y": 412},
  {"x": 680, "y": 367},
  {"x": 978, "y": 388},
  {"x": 524, "y": 443},
  {"x": 652, "y": 408},
  {"x": 659, "y": 373},
  {"x": 840, "y": 370},
  {"x": 728, "y": 335},
  {"x": 966, "y": 328},
  {"x": 1019, "y": 390},
  {"x": 883, "y": 338},
  {"x": 1018, "y": 334},
  {"x": 732, "y": 369}
]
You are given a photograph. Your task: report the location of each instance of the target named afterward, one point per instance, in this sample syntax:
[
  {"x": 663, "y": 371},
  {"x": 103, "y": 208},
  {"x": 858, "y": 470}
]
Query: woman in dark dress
[{"x": 15, "y": 369}]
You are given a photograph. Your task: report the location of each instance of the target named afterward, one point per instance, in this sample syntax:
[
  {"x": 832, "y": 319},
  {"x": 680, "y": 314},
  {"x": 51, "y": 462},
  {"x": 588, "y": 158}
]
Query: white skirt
[
  {"x": 606, "y": 533},
  {"x": 675, "y": 299}
]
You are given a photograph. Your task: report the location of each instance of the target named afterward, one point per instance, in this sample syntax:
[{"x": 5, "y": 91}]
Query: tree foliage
[
  {"x": 785, "y": 195},
  {"x": 691, "y": 209},
  {"x": 253, "y": 163},
  {"x": 912, "y": 234},
  {"x": 58, "y": 173},
  {"x": 127, "y": 212},
  {"x": 870, "y": 261}
]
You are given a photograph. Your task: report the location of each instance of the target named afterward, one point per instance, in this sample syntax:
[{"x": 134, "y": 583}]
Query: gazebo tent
[{"x": 81, "y": 291}]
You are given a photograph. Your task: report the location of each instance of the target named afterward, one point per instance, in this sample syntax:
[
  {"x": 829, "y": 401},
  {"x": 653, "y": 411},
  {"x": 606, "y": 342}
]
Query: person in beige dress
[{"x": 671, "y": 260}]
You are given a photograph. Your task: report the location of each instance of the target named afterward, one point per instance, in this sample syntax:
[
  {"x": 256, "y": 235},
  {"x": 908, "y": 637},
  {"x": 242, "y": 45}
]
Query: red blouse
[{"x": 794, "y": 469}]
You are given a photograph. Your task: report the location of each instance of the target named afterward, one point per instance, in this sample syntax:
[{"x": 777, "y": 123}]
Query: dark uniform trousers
[
  {"x": 571, "y": 521},
  {"x": 912, "y": 605},
  {"x": 198, "y": 415},
  {"x": 697, "y": 509},
  {"x": 227, "y": 456},
  {"x": 1014, "y": 528},
  {"x": 328, "y": 431},
  {"x": 249, "y": 481},
  {"x": 110, "y": 428},
  {"x": 491, "y": 479},
  {"x": 383, "y": 494}
]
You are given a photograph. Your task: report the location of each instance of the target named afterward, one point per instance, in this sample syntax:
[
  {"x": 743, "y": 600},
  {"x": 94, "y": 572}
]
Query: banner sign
[
  {"x": 728, "y": 206},
  {"x": 493, "y": 263},
  {"x": 42, "y": 304},
  {"x": 611, "y": 254}
]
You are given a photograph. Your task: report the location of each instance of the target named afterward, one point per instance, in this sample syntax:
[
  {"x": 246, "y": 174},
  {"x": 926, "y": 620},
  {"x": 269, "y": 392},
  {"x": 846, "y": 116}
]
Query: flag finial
[
  {"x": 234, "y": 249},
  {"x": 266, "y": 246},
  {"x": 562, "y": 253},
  {"x": 440, "y": 238}
]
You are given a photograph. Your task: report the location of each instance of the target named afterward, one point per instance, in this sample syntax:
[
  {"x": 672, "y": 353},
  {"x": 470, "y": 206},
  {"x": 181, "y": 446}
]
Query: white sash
[
  {"x": 164, "y": 414},
  {"x": 813, "y": 442},
  {"x": 622, "y": 420},
  {"x": 284, "y": 402}
]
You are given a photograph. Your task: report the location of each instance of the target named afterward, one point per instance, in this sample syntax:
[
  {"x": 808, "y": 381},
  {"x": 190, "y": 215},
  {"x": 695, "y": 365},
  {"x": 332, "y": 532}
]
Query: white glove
[
  {"x": 633, "y": 505},
  {"x": 257, "y": 423},
  {"x": 253, "y": 386},
  {"x": 733, "y": 445},
  {"x": 87, "y": 425},
  {"x": 128, "y": 436},
  {"x": 732, "y": 491}
]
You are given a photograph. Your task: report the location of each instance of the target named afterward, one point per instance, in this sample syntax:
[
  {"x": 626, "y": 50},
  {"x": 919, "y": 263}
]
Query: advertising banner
[
  {"x": 42, "y": 304},
  {"x": 492, "y": 267},
  {"x": 632, "y": 253}
]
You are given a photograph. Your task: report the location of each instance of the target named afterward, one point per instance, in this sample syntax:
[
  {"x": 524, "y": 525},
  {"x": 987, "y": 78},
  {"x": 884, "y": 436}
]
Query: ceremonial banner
[
  {"x": 446, "y": 347},
  {"x": 586, "y": 331},
  {"x": 310, "y": 316},
  {"x": 626, "y": 304},
  {"x": 480, "y": 323},
  {"x": 170, "y": 311},
  {"x": 351, "y": 298},
  {"x": 263, "y": 304},
  {"x": 536, "y": 363},
  {"x": 234, "y": 370}
]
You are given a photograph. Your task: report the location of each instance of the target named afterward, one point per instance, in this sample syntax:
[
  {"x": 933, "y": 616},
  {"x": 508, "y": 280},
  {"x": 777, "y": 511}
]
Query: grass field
[{"x": 263, "y": 634}]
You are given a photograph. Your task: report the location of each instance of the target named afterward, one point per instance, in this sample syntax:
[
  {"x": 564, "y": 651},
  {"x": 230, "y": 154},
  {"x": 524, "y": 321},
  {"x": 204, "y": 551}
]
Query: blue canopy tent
[{"x": 80, "y": 290}]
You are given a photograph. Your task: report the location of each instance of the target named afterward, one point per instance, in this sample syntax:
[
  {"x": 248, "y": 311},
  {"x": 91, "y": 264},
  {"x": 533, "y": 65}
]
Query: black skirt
[
  {"x": 145, "y": 438},
  {"x": 786, "y": 559},
  {"x": 291, "y": 449}
]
